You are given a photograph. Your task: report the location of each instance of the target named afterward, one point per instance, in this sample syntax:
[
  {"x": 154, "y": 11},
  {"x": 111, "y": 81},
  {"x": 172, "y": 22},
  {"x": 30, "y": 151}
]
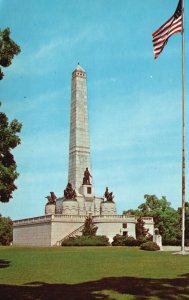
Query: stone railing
[
  {"x": 80, "y": 219},
  {"x": 114, "y": 218},
  {"x": 40, "y": 219},
  {"x": 68, "y": 218},
  {"x": 50, "y": 218}
]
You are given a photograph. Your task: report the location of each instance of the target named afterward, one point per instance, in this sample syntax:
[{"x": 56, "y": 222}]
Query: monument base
[
  {"x": 157, "y": 238},
  {"x": 86, "y": 190}
]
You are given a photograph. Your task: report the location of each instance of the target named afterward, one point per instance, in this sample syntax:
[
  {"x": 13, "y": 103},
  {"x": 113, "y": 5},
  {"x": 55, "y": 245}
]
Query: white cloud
[
  {"x": 28, "y": 109},
  {"x": 45, "y": 58},
  {"x": 48, "y": 50}
]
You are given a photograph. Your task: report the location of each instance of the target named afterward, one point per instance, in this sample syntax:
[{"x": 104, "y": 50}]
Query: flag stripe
[
  {"x": 175, "y": 24},
  {"x": 163, "y": 38},
  {"x": 163, "y": 33},
  {"x": 171, "y": 26},
  {"x": 165, "y": 25}
]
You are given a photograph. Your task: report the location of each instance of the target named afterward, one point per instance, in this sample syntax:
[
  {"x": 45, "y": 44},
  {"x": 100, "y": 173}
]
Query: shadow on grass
[
  {"x": 136, "y": 288},
  {"x": 4, "y": 263}
]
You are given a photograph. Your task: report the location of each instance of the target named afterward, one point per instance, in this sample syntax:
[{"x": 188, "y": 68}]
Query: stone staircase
[{"x": 72, "y": 234}]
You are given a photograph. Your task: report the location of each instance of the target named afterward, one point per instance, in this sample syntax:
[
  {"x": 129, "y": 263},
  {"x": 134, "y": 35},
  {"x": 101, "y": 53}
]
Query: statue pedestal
[
  {"x": 157, "y": 238},
  {"x": 70, "y": 207},
  {"x": 108, "y": 208},
  {"x": 50, "y": 209},
  {"x": 86, "y": 190}
]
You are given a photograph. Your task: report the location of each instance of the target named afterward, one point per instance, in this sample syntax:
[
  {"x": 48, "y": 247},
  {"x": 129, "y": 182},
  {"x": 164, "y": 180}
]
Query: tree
[
  {"x": 186, "y": 219},
  {"x": 153, "y": 204},
  {"x": 8, "y": 131},
  {"x": 132, "y": 212},
  {"x": 166, "y": 218},
  {"x": 89, "y": 228},
  {"x": 141, "y": 231},
  {"x": 5, "y": 231},
  {"x": 8, "y": 49},
  {"x": 8, "y": 141}
]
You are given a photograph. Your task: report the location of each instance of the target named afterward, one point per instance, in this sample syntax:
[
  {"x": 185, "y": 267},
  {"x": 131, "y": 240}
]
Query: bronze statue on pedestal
[
  {"x": 86, "y": 178},
  {"x": 108, "y": 195},
  {"x": 69, "y": 192},
  {"x": 52, "y": 198}
]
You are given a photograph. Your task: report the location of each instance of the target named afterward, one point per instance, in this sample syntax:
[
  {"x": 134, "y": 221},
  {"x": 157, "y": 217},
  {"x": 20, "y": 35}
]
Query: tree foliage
[
  {"x": 8, "y": 131},
  {"x": 186, "y": 219},
  {"x": 5, "y": 231},
  {"x": 8, "y": 49},
  {"x": 166, "y": 218},
  {"x": 132, "y": 212},
  {"x": 89, "y": 228},
  {"x": 8, "y": 141},
  {"x": 141, "y": 231}
]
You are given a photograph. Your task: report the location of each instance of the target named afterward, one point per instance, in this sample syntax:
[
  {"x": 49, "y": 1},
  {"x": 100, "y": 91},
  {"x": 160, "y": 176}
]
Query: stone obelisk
[{"x": 79, "y": 147}]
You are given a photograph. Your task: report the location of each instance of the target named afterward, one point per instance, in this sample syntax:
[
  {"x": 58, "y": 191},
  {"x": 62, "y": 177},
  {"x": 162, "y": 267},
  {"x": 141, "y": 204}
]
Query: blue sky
[{"x": 134, "y": 101}]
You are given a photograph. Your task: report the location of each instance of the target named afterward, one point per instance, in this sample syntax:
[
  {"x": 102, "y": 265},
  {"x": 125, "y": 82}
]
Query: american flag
[{"x": 170, "y": 27}]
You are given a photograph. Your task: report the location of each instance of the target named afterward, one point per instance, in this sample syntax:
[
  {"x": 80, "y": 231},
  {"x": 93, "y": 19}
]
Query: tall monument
[
  {"x": 79, "y": 148},
  {"x": 65, "y": 215}
]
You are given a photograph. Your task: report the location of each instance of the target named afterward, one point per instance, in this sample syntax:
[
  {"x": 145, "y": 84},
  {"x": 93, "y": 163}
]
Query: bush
[
  {"x": 89, "y": 228},
  {"x": 130, "y": 241},
  {"x": 149, "y": 246},
  {"x": 120, "y": 240},
  {"x": 5, "y": 231},
  {"x": 171, "y": 242},
  {"x": 142, "y": 239},
  {"x": 175, "y": 242},
  {"x": 86, "y": 241}
]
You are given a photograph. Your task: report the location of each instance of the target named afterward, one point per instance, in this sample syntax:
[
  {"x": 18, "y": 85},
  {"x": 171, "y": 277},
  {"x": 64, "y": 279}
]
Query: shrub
[
  {"x": 120, "y": 240},
  {"x": 141, "y": 231},
  {"x": 171, "y": 242},
  {"x": 149, "y": 246},
  {"x": 175, "y": 242},
  {"x": 143, "y": 239},
  {"x": 86, "y": 241},
  {"x": 89, "y": 228},
  {"x": 130, "y": 241},
  {"x": 5, "y": 231}
]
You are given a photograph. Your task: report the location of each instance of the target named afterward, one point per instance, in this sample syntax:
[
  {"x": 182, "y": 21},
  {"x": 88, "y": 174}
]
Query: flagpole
[{"x": 183, "y": 137}]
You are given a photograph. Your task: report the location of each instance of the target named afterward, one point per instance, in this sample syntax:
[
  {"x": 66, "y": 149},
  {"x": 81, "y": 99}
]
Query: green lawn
[{"x": 74, "y": 273}]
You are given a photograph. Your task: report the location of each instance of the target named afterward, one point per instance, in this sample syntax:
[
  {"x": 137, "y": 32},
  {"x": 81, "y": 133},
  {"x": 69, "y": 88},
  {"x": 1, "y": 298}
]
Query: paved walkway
[{"x": 174, "y": 248}]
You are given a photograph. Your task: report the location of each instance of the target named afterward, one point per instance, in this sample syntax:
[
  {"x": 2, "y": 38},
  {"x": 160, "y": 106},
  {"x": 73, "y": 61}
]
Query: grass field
[{"x": 74, "y": 273}]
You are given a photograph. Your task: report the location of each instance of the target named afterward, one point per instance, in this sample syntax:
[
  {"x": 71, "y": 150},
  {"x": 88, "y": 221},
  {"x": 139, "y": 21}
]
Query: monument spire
[{"x": 79, "y": 148}]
